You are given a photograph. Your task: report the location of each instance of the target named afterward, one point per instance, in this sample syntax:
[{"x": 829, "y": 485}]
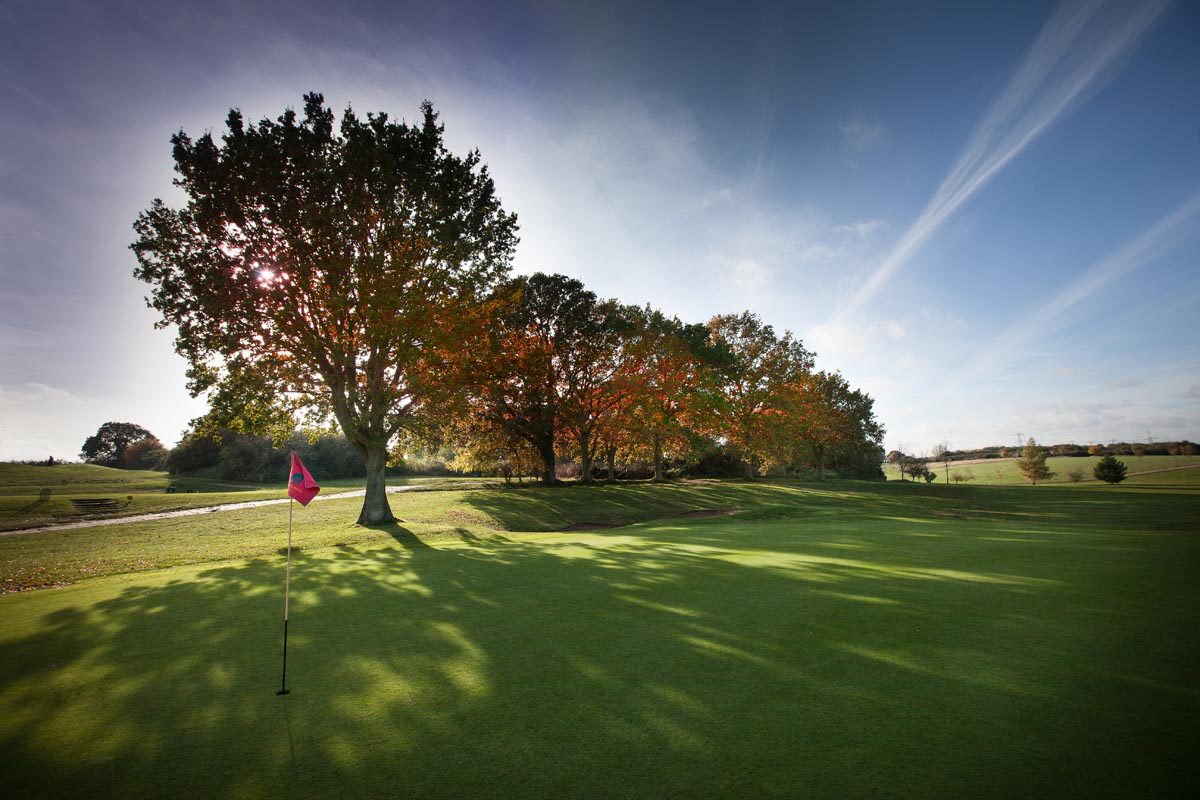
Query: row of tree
[
  {"x": 560, "y": 370},
  {"x": 360, "y": 273}
]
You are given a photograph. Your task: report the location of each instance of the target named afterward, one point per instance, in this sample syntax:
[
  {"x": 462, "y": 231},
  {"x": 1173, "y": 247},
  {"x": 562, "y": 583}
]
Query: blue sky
[{"x": 989, "y": 218}]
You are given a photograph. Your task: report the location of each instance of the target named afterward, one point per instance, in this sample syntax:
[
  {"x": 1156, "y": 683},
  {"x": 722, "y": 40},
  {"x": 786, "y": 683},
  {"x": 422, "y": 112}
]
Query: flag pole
[{"x": 287, "y": 588}]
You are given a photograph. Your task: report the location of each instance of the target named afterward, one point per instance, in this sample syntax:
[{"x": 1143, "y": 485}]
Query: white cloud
[
  {"x": 1194, "y": 391},
  {"x": 750, "y": 275},
  {"x": 837, "y": 340}
]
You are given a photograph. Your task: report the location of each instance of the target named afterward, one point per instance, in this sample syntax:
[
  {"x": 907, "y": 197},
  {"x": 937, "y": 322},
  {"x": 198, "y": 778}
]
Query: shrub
[
  {"x": 1075, "y": 475},
  {"x": 1110, "y": 470}
]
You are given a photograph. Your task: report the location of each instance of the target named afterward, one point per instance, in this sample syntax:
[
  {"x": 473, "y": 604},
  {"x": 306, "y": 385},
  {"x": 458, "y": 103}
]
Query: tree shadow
[
  {"x": 699, "y": 659},
  {"x": 401, "y": 535}
]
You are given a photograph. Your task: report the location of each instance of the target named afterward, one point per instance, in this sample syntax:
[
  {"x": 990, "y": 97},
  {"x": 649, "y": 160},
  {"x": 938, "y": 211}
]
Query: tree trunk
[
  {"x": 658, "y": 458},
  {"x": 749, "y": 471},
  {"x": 546, "y": 451},
  {"x": 375, "y": 508},
  {"x": 610, "y": 454},
  {"x": 585, "y": 455},
  {"x": 821, "y": 462}
]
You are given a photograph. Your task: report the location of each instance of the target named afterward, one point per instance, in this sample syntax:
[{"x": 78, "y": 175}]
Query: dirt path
[{"x": 190, "y": 512}]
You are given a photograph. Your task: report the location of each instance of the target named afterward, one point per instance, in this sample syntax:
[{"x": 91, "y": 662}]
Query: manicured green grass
[
  {"x": 850, "y": 640},
  {"x": 1004, "y": 472},
  {"x": 139, "y": 492},
  {"x": 53, "y": 557}
]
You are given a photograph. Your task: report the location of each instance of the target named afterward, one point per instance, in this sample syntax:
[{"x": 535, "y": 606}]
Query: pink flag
[{"x": 301, "y": 485}]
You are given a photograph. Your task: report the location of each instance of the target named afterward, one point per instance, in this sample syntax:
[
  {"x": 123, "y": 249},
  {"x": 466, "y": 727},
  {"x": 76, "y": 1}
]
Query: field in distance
[{"x": 1003, "y": 471}]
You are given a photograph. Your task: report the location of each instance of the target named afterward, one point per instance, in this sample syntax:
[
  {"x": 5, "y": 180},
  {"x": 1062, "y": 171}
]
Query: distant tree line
[
  {"x": 562, "y": 375},
  {"x": 1031, "y": 460},
  {"x": 1174, "y": 448},
  {"x": 233, "y": 456}
]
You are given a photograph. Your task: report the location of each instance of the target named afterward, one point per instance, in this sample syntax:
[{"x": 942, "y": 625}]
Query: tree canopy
[
  {"x": 1109, "y": 469},
  {"x": 108, "y": 445},
  {"x": 324, "y": 270}
]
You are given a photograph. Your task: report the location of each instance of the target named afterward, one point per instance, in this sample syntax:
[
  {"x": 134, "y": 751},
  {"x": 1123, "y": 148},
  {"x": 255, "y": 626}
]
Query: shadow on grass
[
  {"x": 401, "y": 535},
  {"x": 706, "y": 659}
]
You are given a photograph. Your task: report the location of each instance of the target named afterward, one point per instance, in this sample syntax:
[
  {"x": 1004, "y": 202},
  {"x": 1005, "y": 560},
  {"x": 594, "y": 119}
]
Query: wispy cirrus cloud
[
  {"x": 1075, "y": 52},
  {"x": 1152, "y": 243}
]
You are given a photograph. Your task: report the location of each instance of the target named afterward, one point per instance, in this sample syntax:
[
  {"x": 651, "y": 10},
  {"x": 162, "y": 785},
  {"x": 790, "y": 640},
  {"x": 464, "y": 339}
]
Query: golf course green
[{"x": 823, "y": 640}]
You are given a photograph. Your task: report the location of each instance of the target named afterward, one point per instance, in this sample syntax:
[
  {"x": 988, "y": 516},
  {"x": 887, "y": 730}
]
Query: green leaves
[
  {"x": 323, "y": 270},
  {"x": 1109, "y": 469}
]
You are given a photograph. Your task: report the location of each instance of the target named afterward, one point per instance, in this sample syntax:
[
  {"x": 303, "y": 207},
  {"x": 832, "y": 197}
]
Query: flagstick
[{"x": 287, "y": 588}]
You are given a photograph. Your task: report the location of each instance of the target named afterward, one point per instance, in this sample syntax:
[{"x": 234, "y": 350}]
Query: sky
[{"x": 987, "y": 216}]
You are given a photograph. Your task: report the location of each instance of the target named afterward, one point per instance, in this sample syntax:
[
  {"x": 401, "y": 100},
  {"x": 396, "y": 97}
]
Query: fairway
[{"x": 850, "y": 640}]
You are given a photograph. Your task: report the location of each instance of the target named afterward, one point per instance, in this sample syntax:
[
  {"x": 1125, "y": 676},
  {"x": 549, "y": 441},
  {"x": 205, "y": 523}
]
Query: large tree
[
  {"x": 539, "y": 354},
  {"x": 673, "y": 360},
  {"x": 833, "y": 423},
  {"x": 107, "y": 446},
  {"x": 753, "y": 369},
  {"x": 324, "y": 271},
  {"x": 604, "y": 373}
]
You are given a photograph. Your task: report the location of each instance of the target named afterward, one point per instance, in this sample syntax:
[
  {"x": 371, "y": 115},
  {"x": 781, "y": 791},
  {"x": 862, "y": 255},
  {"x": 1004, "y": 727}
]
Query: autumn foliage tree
[
  {"x": 147, "y": 453},
  {"x": 536, "y": 358},
  {"x": 828, "y": 419},
  {"x": 674, "y": 388},
  {"x": 324, "y": 270},
  {"x": 752, "y": 369},
  {"x": 605, "y": 374}
]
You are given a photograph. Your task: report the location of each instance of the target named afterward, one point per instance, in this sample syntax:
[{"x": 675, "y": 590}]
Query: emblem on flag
[{"x": 302, "y": 487}]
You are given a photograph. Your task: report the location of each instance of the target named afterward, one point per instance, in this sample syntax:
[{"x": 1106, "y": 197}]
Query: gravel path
[{"x": 190, "y": 512}]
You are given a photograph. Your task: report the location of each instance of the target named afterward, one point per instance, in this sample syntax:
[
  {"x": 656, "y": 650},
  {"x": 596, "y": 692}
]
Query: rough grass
[
  {"x": 1004, "y": 472},
  {"x": 851, "y": 640}
]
